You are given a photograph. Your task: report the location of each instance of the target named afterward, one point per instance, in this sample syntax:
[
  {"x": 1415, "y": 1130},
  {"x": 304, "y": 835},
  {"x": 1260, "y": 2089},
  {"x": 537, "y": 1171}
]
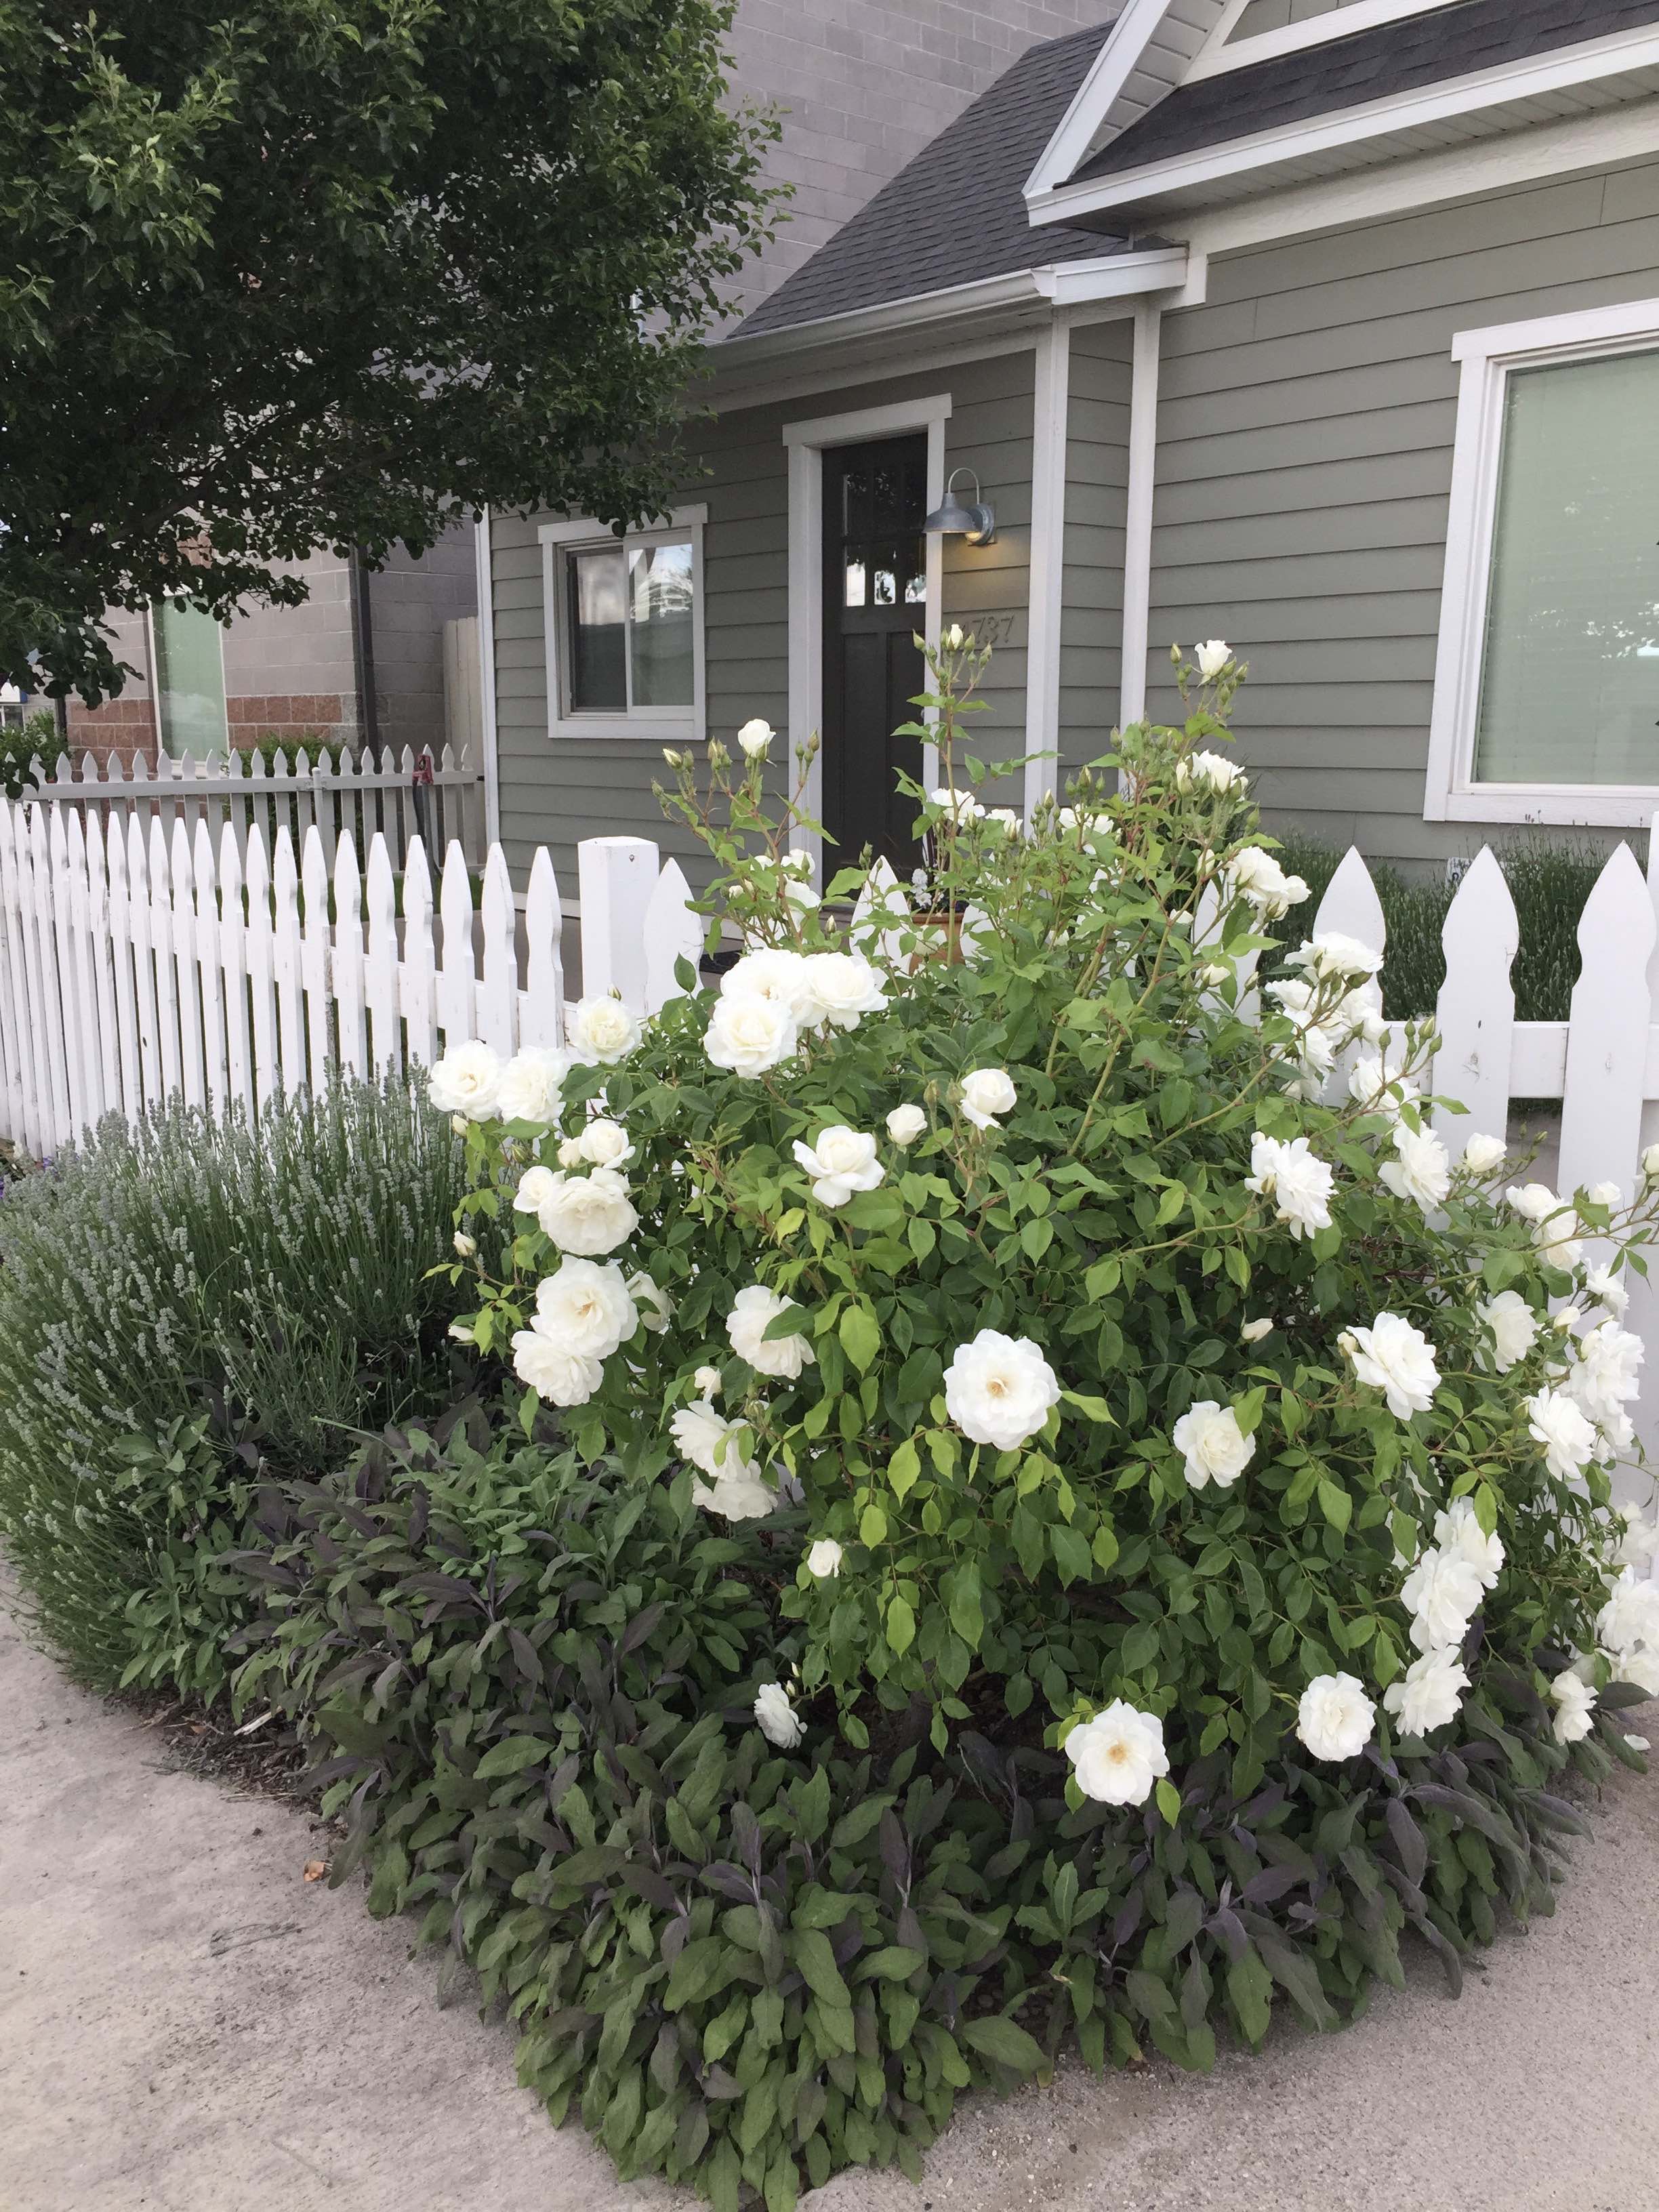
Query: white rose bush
[{"x": 1131, "y": 1408}]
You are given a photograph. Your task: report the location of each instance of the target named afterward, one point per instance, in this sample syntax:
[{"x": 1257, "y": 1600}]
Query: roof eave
[{"x": 1245, "y": 165}]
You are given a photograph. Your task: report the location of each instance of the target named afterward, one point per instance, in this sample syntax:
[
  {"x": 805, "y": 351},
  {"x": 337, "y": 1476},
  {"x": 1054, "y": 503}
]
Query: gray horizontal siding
[
  {"x": 555, "y": 791},
  {"x": 1307, "y": 413},
  {"x": 1091, "y": 597}
]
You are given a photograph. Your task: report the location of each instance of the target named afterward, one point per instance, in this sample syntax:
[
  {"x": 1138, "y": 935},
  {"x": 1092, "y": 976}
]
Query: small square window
[{"x": 624, "y": 635}]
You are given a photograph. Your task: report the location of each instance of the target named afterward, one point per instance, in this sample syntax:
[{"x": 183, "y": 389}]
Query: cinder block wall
[
  {"x": 411, "y": 601},
  {"x": 865, "y": 85}
]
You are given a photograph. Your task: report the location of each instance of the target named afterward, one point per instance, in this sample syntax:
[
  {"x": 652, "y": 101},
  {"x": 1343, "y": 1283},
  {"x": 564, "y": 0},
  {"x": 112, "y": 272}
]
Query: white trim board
[
  {"x": 1050, "y": 424},
  {"x": 1221, "y": 53},
  {"x": 486, "y": 588},
  {"x": 1126, "y": 54},
  {"x": 1211, "y": 166},
  {"x": 1450, "y": 790},
  {"x": 1138, "y": 514},
  {"x": 805, "y": 443}
]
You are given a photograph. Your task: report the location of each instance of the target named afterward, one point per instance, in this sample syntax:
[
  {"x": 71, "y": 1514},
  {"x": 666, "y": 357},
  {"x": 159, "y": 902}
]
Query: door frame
[{"x": 806, "y": 442}]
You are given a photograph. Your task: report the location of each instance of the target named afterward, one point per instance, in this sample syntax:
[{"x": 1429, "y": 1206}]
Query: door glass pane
[
  {"x": 1570, "y": 682},
  {"x": 190, "y": 681},
  {"x": 853, "y": 595},
  {"x": 660, "y": 614},
  {"x": 599, "y": 676}
]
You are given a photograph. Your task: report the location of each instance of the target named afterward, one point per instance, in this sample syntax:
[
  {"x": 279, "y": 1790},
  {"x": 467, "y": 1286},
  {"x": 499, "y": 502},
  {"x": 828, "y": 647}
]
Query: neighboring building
[
  {"x": 361, "y": 661},
  {"x": 1333, "y": 329}
]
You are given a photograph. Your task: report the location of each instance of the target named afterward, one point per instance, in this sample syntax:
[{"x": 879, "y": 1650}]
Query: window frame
[
  {"x": 152, "y": 646},
  {"x": 652, "y": 724},
  {"x": 1487, "y": 359}
]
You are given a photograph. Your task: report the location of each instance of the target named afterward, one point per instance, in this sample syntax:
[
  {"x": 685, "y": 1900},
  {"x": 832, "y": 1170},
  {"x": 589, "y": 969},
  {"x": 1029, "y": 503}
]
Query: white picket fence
[
  {"x": 402, "y": 796},
  {"x": 144, "y": 964}
]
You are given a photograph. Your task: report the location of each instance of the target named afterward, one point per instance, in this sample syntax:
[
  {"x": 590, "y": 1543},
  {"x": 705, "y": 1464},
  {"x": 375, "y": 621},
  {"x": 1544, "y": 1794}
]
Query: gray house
[{"x": 1328, "y": 326}]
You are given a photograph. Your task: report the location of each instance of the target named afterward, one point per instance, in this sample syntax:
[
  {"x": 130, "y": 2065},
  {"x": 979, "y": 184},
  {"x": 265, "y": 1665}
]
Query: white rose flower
[
  {"x": 1423, "y": 1171},
  {"x": 570, "y": 1154},
  {"x": 999, "y": 1389},
  {"x": 780, "y": 1724},
  {"x": 530, "y": 1086},
  {"x": 1642, "y": 1667},
  {"x": 1211, "y": 772},
  {"x": 1253, "y": 1331},
  {"x": 1214, "y": 1447},
  {"x": 602, "y": 1031},
  {"x": 1328, "y": 955},
  {"x": 905, "y": 1124},
  {"x": 1604, "y": 1376},
  {"x": 707, "y": 1440},
  {"x": 824, "y": 1558},
  {"x": 1288, "y": 1172},
  {"x": 1458, "y": 1532},
  {"x": 465, "y": 1246},
  {"x": 1514, "y": 1326},
  {"x": 1650, "y": 1164},
  {"x": 1214, "y": 656},
  {"x": 467, "y": 1081},
  {"x": 1394, "y": 1357},
  {"x": 1379, "y": 1088},
  {"x": 1482, "y": 1154},
  {"x": 707, "y": 1381},
  {"x": 1605, "y": 1286},
  {"x": 588, "y": 1214},
  {"x": 1442, "y": 1595},
  {"x": 1568, "y": 1439},
  {"x": 1557, "y": 1240},
  {"x": 1118, "y": 1755},
  {"x": 756, "y": 737},
  {"x": 535, "y": 1186},
  {"x": 952, "y": 638},
  {"x": 1606, "y": 1194},
  {"x": 842, "y": 1161},
  {"x": 961, "y": 805},
  {"x": 1630, "y": 1619},
  {"x": 753, "y": 1311},
  {"x": 1257, "y": 877},
  {"x": 1574, "y": 1707},
  {"x": 656, "y": 1307},
  {"x": 842, "y": 988},
  {"x": 749, "y": 1035},
  {"x": 1429, "y": 1694},
  {"x": 1334, "y": 1717},
  {"x": 1638, "y": 1544},
  {"x": 1532, "y": 1202},
  {"x": 1006, "y": 820},
  {"x": 461, "y": 1333},
  {"x": 772, "y": 973},
  {"x": 585, "y": 1308},
  {"x": 987, "y": 1092},
  {"x": 606, "y": 1144},
  {"x": 561, "y": 1377}
]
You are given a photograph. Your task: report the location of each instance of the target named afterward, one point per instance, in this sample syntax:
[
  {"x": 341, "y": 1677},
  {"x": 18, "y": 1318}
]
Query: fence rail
[{"x": 402, "y": 796}]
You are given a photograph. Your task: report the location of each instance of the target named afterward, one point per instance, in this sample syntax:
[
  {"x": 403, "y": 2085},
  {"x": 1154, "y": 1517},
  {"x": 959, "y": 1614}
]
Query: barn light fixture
[{"x": 952, "y": 518}]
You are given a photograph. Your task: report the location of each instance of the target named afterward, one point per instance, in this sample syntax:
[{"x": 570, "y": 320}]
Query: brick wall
[{"x": 867, "y": 83}]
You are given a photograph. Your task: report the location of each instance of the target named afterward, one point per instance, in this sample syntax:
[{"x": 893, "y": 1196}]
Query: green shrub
[
  {"x": 181, "y": 1303},
  {"x": 20, "y": 743},
  {"x": 1549, "y": 879},
  {"x": 528, "y": 1690}
]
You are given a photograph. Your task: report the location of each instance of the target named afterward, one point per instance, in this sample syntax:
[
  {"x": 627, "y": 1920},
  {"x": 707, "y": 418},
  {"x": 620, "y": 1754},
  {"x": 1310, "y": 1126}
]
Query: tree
[{"x": 328, "y": 272}]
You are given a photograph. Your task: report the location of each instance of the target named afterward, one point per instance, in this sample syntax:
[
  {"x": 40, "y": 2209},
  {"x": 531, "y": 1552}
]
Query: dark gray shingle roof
[
  {"x": 1403, "y": 56},
  {"x": 956, "y": 214}
]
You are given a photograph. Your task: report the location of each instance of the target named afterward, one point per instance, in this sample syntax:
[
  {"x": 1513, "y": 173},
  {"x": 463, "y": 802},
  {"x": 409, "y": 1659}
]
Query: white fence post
[
  {"x": 616, "y": 877},
  {"x": 1475, "y": 1013}
]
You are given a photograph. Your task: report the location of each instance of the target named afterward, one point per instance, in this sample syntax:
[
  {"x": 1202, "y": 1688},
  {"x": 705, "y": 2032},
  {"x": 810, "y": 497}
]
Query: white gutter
[{"x": 1067, "y": 283}]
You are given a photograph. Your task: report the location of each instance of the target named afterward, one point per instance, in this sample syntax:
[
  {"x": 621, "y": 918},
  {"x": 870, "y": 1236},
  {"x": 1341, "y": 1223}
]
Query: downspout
[
  {"x": 363, "y": 651},
  {"x": 1138, "y": 512},
  {"x": 492, "y": 787},
  {"x": 1049, "y": 408}
]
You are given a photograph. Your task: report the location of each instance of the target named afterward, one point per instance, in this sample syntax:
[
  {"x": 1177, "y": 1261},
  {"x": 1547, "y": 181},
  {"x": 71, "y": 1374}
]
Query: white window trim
[
  {"x": 660, "y": 725},
  {"x": 806, "y": 443},
  {"x": 1221, "y": 51},
  {"x": 1450, "y": 792}
]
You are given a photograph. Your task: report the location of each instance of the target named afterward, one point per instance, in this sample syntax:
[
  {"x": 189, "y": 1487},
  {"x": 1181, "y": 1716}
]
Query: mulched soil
[{"x": 265, "y": 1761}]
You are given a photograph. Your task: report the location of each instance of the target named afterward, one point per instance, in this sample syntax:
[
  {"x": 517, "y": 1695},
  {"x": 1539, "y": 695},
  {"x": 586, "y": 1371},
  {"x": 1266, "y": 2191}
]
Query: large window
[
  {"x": 1547, "y": 695},
  {"x": 624, "y": 629},
  {"x": 190, "y": 681}
]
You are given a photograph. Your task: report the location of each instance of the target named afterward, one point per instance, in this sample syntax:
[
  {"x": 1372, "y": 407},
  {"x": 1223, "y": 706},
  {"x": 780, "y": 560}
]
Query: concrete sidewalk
[{"x": 187, "y": 2026}]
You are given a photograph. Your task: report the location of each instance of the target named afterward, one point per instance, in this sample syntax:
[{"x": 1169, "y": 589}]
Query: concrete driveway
[{"x": 186, "y": 2025}]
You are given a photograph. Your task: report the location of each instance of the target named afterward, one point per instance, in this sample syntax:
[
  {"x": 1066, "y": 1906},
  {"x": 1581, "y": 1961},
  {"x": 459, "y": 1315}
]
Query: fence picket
[
  {"x": 24, "y": 1101},
  {"x": 498, "y": 986},
  {"x": 261, "y": 969},
  {"x": 1475, "y": 1012},
  {"x": 187, "y": 963},
  {"x": 88, "y": 1056},
  {"x": 1607, "y": 1029},
  {"x": 149, "y": 959},
  {"x": 209, "y": 966},
  {"x": 348, "y": 962},
  {"x": 233, "y": 946},
  {"x": 455, "y": 978},
  {"x": 672, "y": 932},
  {"x": 380, "y": 966},
  {"x": 417, "y": 975},
  {"x": 287, "y": 960},
  {"x": 102, "y": 953},
  {"x": 313, "y": 957},
  {"x": 65, "y": 952},
  {"x": 541, "y": 1009},
  {"x": 47, "y": 984},
  {"x": 126, "y": 1003}
]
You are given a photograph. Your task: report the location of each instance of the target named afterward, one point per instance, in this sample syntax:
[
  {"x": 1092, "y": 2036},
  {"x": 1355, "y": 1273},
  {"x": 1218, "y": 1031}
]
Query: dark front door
[{"x": 875, "y": 577}]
